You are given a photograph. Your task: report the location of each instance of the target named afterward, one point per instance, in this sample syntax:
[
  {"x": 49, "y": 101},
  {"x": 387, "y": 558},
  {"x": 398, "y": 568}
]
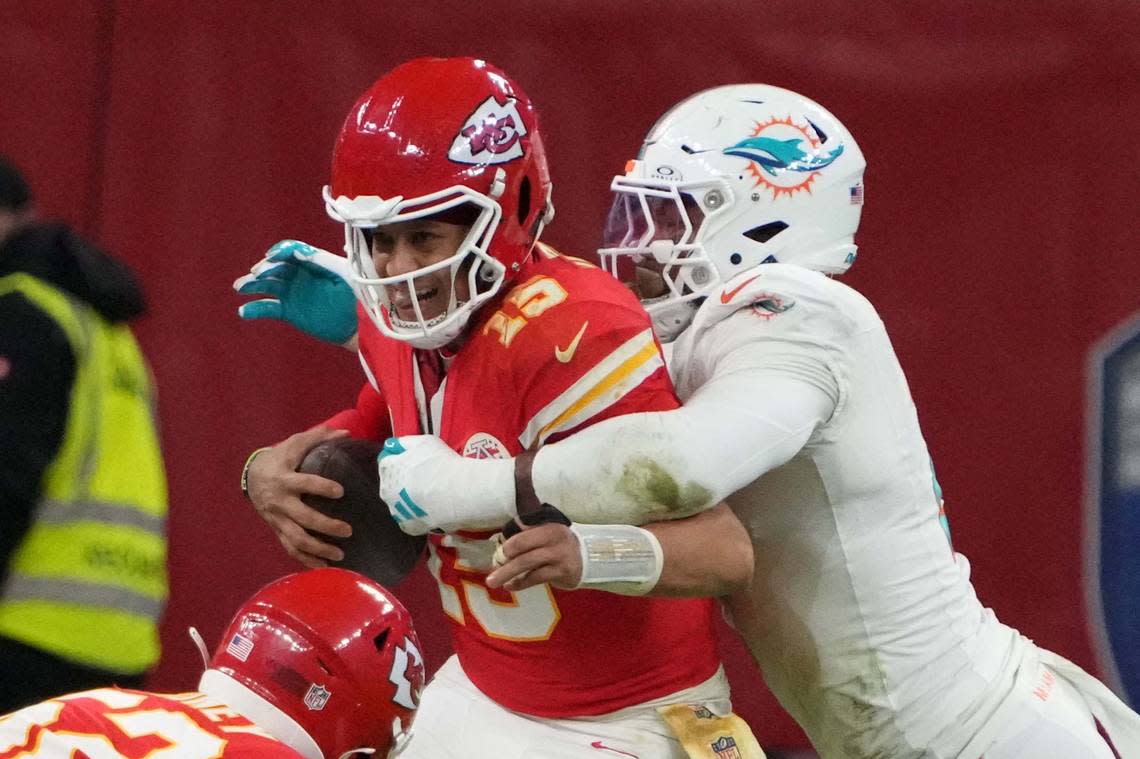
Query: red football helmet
[
  {"x": 433, "y": 136},
  {"x": 325, "y": 660}
]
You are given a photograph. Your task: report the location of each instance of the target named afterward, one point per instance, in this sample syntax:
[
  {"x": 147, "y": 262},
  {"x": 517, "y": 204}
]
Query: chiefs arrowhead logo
[
  {"x": 483, "y": 445},
  {"x": 492, "y": 134}
]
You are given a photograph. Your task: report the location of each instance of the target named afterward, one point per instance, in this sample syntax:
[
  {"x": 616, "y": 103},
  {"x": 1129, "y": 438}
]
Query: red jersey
[
  {"x": 566, "y": 346},
  {"x": 110, "y": 723}
]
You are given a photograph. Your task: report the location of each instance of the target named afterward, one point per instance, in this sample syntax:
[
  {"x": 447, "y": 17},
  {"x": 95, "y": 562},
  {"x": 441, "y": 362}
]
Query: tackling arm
[
  {"x": 758, "y": 410},
  {"x": 752, "y": 416}
]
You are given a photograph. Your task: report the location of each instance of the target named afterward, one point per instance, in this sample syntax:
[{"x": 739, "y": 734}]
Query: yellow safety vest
[{"x": 88, "y": 581}]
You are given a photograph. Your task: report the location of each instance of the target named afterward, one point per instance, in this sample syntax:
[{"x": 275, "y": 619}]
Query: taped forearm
[{"x": 618, "y": 558}]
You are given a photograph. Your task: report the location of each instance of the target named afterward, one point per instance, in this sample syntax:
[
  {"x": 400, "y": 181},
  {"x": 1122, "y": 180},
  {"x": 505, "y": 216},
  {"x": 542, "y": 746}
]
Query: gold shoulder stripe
[{"x": 599, "y": 388}]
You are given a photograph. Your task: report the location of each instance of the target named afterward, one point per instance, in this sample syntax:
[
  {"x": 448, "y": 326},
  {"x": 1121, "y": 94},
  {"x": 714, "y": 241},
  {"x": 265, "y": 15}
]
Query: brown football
[{"x": 377, "y": 548}]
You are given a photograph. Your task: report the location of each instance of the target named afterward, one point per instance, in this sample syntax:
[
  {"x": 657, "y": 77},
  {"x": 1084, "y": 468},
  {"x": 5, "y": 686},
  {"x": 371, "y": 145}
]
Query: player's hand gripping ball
[{"x": 377, "y": 548}]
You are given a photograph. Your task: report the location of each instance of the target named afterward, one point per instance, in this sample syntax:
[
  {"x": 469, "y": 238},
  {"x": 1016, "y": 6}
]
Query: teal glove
[{"x": 309, "y": 289}]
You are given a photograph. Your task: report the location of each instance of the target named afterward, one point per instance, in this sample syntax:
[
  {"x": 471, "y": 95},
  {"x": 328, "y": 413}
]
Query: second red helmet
[{"x": 326, "y": 660}]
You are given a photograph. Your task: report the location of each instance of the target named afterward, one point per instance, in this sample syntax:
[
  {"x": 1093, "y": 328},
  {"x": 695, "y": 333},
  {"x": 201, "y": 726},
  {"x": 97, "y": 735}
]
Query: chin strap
[
  {"x": 400, "y": 738},
  {"x": 201, "y": 646}
]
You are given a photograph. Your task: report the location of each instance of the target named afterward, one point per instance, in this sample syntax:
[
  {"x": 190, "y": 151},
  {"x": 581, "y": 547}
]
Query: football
[{"x": 377, "y": 548}]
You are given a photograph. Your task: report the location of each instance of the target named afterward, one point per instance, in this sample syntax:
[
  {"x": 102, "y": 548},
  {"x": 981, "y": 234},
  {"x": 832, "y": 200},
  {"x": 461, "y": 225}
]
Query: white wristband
[{"x": 618, "y": 558}]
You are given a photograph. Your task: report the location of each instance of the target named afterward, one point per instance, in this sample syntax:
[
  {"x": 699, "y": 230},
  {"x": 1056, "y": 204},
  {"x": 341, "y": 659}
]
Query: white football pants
[
  {"x": 456, "y": 721},
  {"x": 1053, "y": 713}
]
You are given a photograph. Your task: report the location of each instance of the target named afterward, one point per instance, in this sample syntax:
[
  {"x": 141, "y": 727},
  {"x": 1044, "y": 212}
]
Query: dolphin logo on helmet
[
  {"x": 793, "y": 202},
  {"x": 772, "y": 155}
]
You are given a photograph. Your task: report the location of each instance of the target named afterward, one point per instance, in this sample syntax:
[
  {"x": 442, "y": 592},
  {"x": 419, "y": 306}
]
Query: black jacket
[{"x": 37, "y": 366}]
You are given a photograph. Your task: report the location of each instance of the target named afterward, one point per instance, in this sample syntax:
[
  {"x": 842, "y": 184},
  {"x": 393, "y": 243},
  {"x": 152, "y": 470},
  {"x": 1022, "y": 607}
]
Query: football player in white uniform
[
  {"x": 440, "y": 181},
  {"x": 862, "y": 618}
]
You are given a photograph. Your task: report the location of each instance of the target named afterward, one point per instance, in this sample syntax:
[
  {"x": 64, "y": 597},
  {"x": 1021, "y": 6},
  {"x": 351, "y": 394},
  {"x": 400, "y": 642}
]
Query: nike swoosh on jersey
[
  {"x": 598, "y": 388},
  {"x": 564, "y": 355},
  {"x": 604, "y": 747},
  {"x": 725, "y": 297}
]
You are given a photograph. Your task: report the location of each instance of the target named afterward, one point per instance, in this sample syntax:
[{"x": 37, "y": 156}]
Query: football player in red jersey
[
  {"x": 470, "y": 332},
  {"x": 284, "y": 682}
]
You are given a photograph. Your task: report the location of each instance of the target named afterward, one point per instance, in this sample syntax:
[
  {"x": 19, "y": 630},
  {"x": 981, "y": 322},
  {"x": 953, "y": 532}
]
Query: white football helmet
[{"x": 730, "y": 178}]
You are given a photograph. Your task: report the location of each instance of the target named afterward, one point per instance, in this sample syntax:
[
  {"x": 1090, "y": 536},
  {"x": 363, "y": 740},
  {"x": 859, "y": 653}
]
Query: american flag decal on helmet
[{"x": 239, "y": 647}]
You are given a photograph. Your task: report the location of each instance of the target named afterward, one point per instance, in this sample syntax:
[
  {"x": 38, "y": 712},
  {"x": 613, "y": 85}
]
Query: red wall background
[{"x": 999, "y": 236}]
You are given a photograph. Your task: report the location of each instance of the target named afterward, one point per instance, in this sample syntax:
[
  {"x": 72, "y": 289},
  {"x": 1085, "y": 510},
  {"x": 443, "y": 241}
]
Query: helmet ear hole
[
  {"x": 381, "y": 640},
  {"x": 819, "y": 132},
  {"x": 524, "y": 201},
  {"x": 765, "y": 232}
]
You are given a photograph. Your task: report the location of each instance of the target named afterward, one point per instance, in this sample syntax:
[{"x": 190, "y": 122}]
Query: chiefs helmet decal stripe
[{"x": 596, "y": 390}]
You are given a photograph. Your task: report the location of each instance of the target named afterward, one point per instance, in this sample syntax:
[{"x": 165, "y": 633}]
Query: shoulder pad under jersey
[{"x": 786, "y": 293}]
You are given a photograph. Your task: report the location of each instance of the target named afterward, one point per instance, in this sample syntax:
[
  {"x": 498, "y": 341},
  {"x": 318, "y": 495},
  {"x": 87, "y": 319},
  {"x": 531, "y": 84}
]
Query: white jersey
[
  {"x": 796, "y": 412},
  {"x": 860, "y": 615}
]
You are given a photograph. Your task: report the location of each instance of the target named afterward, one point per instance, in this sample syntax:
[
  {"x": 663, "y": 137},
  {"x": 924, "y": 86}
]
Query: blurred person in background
[{"x": 82, "y": 486}]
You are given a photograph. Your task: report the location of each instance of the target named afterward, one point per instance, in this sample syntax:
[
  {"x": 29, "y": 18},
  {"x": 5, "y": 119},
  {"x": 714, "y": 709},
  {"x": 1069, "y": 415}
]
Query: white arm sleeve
[{"x": 758, "y": 409}]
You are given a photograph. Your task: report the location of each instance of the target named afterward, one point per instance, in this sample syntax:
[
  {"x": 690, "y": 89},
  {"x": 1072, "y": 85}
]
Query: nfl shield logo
[
  {"x": 317, "y": 697},
  {"x": 701, "y": 712},
  {"x": 725, "y": 748}
]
